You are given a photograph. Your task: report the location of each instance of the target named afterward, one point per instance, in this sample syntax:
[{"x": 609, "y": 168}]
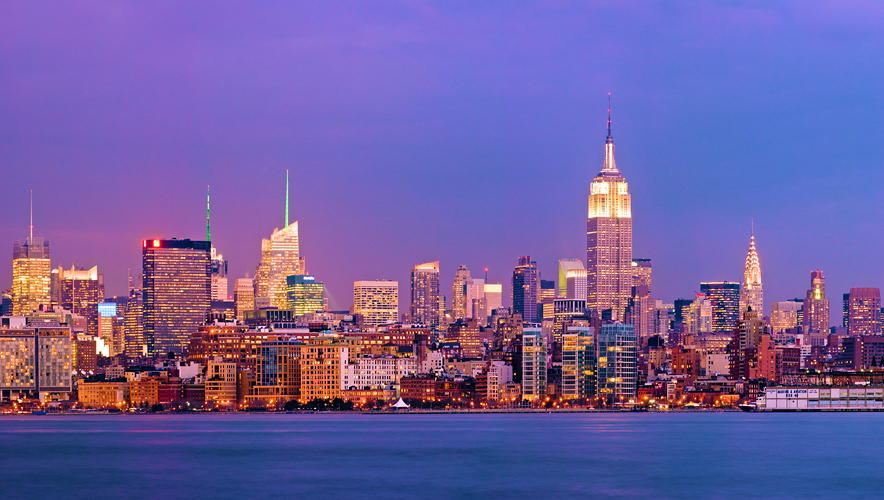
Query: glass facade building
[
  {"x": 176, "y": 293},
  {"x": 533, "y": 364},
  {"x": 31, "y": 275},
  {"x": 425, "y": 294},
  {"x": 724, "y": 297},
  {"x": 80, "y": 291},
  {"x": 305, "y": 294},
  {"x": 617, "y": 364},
  {"x": 578, "y": 363},
  {"x": 526, "y": 290}
]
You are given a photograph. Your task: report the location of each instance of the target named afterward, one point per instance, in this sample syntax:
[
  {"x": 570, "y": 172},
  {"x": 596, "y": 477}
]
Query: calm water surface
[{"x": 675, "y": 455}]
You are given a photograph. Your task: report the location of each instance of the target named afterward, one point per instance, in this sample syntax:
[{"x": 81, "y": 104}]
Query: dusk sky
[{"x": 461, "y": 132}]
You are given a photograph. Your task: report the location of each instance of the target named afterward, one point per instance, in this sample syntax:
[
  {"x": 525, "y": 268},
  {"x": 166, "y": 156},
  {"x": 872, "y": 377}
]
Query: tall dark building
[
  {"x": 176, "y": 293},
  {"x": 845, "y": 311},
  {"x": 725, "y": 300},
  {"x": 526, "y": 290}
]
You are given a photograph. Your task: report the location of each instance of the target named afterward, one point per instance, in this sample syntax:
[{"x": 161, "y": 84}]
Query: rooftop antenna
[
  {"x": 753, "y": 226},
  {"x": 32, "y": 217},
  {"x": 208, "y": 232},
  {"x": 609, "y": 115},
  {"x": 286, "y": 198}
]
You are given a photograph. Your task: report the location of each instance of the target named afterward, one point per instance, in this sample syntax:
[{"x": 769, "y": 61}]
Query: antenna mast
[{"x": 286, "y": 198}]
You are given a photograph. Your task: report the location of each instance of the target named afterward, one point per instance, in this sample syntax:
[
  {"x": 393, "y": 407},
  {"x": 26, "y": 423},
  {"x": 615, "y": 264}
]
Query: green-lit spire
[
  {"x": 208, "y": 232},
  {"x": 286, "y": 198}
]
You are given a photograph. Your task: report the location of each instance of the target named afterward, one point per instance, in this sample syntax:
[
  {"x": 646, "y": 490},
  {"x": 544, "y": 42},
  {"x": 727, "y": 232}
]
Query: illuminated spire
[
  {"x": 208, "y": 232},
  {"x": 286, "y": 198},
  {"x": 610, "y": 166},
  {"x": 610, "y": 139},
  {"x": 32, "y": 218},
  {"x": 751, "y": 294}
]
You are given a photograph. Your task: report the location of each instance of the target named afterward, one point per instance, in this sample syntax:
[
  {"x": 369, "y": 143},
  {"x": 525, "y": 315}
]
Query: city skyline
[{"x": 96, "y": 199}]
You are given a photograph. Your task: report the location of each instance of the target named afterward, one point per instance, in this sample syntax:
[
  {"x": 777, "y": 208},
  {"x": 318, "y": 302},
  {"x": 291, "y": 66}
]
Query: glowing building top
[{"x": 751, "y": 293}]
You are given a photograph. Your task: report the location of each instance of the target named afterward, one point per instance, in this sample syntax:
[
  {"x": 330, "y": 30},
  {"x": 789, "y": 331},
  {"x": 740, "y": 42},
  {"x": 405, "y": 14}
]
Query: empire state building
[{"x": 609, "y": 238}]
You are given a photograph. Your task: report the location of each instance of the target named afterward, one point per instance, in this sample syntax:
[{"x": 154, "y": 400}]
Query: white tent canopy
[{"x": 400, "y": 404}]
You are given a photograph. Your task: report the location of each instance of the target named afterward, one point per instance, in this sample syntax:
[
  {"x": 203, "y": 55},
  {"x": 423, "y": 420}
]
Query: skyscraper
[
  {"x": 474, "y": 299},
  {"x": 305, "y": 295},
  {"x": 176, "y": 294},
  {"x": 376, "y": 301},
  {"x": 609, "y": 237},
  {"x": 280, "y": 258},
  {"x": 572, "y": 279},
  {"x": 751, "y": 294},
  {"x": 80, "y": 291},
  {"x": 526, "y": 290},
  {"x": 31, "y": 283},
  {"x": 219, "y": 276},
  {"x": 864, "y": 312},
  {"x": 425, "y": 294},
  {"x": 641, "y": 273},
  {"x": 133, "y": 323},
  {"x": 533, "y": 364},
  {"x": 725, "y": 300},
  {"x": 493, "y": 297},
  {"x": 786, "y": 314},
  {"x": 617, "y": 364},
  {"x": 244, "y": 296},
  {"x": 816, "y": 305},
  {"x": 458, "y": 298}
]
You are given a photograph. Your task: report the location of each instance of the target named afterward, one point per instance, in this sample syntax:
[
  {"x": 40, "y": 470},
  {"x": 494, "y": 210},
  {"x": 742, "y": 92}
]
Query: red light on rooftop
[
  {"x": 144, "y": 243},
  {"x": 156, "y": 243}
]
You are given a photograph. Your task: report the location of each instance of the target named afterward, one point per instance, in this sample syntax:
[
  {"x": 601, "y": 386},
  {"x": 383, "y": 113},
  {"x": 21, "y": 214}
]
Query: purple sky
[{"x": 455, "y": 132}]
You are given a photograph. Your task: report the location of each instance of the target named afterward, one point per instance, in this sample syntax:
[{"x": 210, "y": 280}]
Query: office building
[
  {"x": 244, "y": 296},
  {"x": 305, "y": 295},
  {"x": 80, "y": 291},
  {"x": 280, "y": 258},
  {"x": 533, "y": 364},
  {"x": 425, "y": 294},
  {"x": 641, "y": 273},
  {"x": 35, "y": 362},
  {"x": 724, "y": 297},
  {"x": 816, "y": 305},
  {"x": 864, "y": 312},
  {"x": 609, "y": 238},
  {"x": 133, "y": 324},
  {"x": 785, "y": 315},
  {"x": 493, "y": 297},
  {"x": 219, "y": 276},
  {"x": 526, "y": 290},
  {"x": 458, "y": 295},
  {"x": 176, "y": 293},
  {"x": 474, "y": 299},
  {"x": 110, "y": 330},
  {"x": 376, "y": 301},
  {"x": 31, "y": 274},
  {"x": 572, "y": 279},
  {"x": 641, "y": 312},
  {"x": 751, "y": 293},
  {"x": 617, "y": 364}
]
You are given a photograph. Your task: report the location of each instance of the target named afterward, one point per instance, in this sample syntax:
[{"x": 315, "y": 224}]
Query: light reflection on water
[{"x": 669, "y": 455}]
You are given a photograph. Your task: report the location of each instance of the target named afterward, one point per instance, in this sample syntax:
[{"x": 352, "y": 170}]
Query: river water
[{"x": 488, "y": 456}]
